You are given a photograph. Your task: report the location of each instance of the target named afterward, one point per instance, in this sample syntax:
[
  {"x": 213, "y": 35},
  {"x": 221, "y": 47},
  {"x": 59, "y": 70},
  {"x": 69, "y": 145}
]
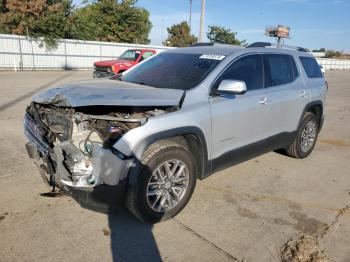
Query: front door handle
[
  {"x": 303, "y": 94},
  {"x": 264, "y": 101}
]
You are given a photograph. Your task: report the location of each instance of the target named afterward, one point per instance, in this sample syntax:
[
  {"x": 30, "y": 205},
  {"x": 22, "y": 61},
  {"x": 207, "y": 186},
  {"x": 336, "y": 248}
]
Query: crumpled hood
[{"x": 108, "y": 93}]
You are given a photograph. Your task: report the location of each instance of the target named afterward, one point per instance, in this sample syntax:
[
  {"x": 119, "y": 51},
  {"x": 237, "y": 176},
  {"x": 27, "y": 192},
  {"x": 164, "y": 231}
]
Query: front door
[{"x": 239, "y": 122}]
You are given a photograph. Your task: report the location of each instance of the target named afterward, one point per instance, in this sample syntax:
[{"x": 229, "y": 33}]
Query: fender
[
  {"x": 145, "y": 143},
  {"x": 307, "y": 107}
]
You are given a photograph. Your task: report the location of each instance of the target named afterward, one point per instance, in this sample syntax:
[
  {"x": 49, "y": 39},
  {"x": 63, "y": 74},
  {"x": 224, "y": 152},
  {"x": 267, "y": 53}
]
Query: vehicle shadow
[{"x": 131, "y": 239}]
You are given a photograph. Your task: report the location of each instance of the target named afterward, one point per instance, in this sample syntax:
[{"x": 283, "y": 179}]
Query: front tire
[
  {"x": 306, "y": 137},
  {"x": 165, "y": 184}
]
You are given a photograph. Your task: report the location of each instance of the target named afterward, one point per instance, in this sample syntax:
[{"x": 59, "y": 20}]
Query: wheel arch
[
  {"x": 315, "y": 107},
  {"x": 191, "y": 137}
]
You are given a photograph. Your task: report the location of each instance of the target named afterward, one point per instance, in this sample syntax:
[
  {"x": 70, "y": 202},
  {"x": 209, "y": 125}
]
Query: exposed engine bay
[{"x": 74, "y": 146}]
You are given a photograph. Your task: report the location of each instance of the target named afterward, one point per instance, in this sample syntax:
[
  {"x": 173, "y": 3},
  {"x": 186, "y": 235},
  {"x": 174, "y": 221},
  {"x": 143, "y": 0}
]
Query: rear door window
[
  {"x": 248, "y": 69},
  {"x": 280, "y": 69},
  {"x": 311, "y": 67}
]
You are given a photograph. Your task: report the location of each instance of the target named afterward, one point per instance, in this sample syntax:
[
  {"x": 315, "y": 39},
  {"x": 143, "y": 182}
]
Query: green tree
[
  {"x": 319, "y": 50},
  {"x": 222, "y": 35},
  {"x": 333, "y": 54},
  {"x": 2, "y": 5},
  {"x": 111, "y": 20},
  {"x": 38, "y": 18},
  {"x": 103, "y": 20},
  {"x": 179, "y": 36}
]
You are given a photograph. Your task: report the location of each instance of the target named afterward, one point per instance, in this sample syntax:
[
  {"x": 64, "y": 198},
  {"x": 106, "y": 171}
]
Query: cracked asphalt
[{"x": 246, "y": 212}]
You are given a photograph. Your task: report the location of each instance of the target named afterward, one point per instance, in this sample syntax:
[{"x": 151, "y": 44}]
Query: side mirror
[{"x": 233, "y": 87}]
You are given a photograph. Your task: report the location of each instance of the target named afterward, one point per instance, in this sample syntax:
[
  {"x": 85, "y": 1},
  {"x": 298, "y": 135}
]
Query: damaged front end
[{"x": 73, "y": 146}]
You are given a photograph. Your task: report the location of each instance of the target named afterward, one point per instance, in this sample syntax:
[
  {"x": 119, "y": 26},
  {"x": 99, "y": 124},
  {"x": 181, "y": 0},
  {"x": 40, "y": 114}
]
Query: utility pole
[
  {"x": 201, "y": 28},
  {"x": 162, "y": 31},
  {"x": 190, "y": 22}
]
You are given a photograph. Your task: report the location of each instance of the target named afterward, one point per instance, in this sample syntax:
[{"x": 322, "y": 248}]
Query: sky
[{"x": 314, "y": 23}]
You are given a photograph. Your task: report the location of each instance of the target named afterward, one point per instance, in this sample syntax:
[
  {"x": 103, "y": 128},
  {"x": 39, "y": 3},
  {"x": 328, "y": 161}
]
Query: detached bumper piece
[
  {"x": 104, "y": 167},
  {"x": 104, "y": 199}
]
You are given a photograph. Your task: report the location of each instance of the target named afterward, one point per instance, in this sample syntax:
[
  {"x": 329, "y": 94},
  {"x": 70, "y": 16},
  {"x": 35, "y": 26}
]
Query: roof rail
[
  {"x": 203, "y": 44},
  {"x": 259, "y": 44},
  {"x": 266, "y": 44}
]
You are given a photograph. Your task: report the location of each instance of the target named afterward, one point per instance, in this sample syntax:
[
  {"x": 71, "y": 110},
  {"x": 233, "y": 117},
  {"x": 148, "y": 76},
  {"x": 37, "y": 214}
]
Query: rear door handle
[
  {"x": 264, "y": 101},
  {"x": 303, "y": 94}
]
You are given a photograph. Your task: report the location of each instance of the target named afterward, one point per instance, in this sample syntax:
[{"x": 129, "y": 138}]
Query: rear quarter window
[{"x": 311, "y": 67}]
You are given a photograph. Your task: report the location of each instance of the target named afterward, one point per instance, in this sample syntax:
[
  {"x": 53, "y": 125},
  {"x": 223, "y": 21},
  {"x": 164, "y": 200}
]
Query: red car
[{"x": 127, "y": 60}]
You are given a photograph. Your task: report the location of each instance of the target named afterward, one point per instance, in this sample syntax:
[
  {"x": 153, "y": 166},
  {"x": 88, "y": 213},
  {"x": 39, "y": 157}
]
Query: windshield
[
  {"x": 173, "y": 70},
  {"x": 130, "y": 55}
]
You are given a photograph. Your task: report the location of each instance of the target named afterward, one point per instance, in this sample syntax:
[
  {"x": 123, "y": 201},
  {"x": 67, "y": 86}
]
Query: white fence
[
  {"x": 334, "y": 64},
  {"x": 22, "y": 53},
  {"x": 318, "y": 54}
]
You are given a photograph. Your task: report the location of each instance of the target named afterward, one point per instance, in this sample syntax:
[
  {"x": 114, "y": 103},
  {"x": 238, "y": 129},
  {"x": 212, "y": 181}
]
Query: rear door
[{"x": 286, "y": 93}]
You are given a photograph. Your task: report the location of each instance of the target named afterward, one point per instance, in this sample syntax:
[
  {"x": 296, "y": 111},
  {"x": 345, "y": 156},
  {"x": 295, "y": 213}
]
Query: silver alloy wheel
[
  {"x": 168, "y": 185},
  {"x": 308, "y": 136}
]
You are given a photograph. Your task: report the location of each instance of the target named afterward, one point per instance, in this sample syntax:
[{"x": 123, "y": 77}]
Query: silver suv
[{"x": 180, "y": 116}]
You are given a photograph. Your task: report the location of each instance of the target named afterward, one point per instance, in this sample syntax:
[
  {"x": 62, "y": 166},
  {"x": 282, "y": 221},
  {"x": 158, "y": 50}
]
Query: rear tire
[
  {"x": 306, "y": 137},
  {"x": 159, "y": 193}
]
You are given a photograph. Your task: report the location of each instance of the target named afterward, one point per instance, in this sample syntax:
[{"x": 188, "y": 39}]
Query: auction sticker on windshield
[{"x": 212, "y": 57}]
